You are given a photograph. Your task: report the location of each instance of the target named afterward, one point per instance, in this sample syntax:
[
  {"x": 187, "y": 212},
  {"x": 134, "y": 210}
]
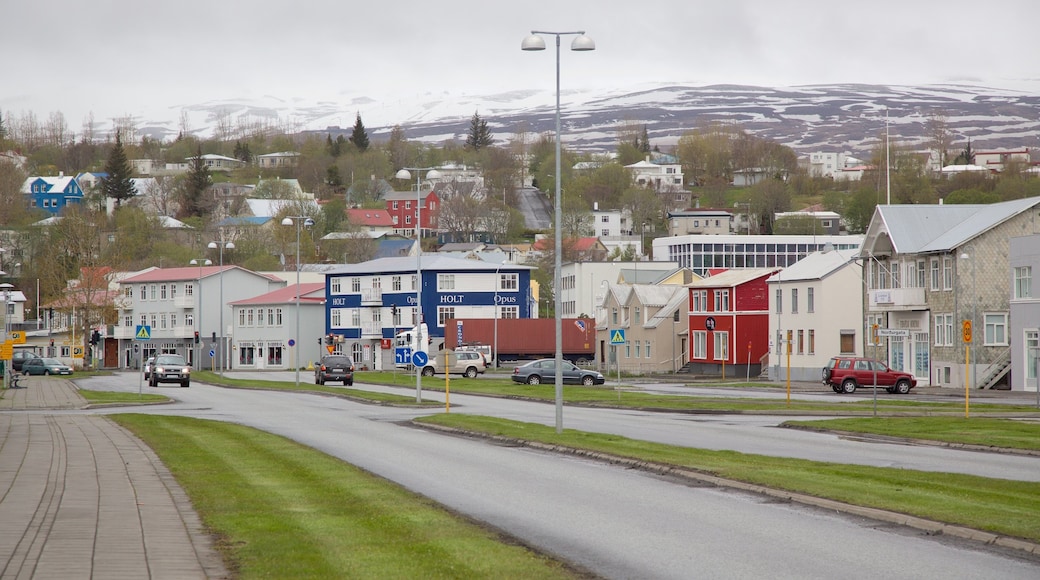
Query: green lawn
[
  {"x": 995, "y": 505},
  {"x": 983, "y": 431},
  {"x": 283, "y": 510},
  {"x": 113, "y": 397}
]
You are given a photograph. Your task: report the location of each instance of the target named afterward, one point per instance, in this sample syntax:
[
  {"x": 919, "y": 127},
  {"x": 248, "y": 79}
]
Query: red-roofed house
[
  {"x": 375, "y": 222},
  {"x": 263, "y": 326},
  {"x": 175, "y": 304}
]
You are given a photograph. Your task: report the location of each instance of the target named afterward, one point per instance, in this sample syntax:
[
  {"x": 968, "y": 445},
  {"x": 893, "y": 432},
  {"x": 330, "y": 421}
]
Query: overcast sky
[{"x": 117, "y": 57}]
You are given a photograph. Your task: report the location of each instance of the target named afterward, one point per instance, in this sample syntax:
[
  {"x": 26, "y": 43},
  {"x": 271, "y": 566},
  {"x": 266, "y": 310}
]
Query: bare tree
[
  {"x": 56, "y": 130},
  {"x": 939, "y": 136}
]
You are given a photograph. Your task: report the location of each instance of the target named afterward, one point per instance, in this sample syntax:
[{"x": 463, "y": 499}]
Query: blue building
[
  {"x": 372, "y": 301},
  {"x": 52, "y": 193}
]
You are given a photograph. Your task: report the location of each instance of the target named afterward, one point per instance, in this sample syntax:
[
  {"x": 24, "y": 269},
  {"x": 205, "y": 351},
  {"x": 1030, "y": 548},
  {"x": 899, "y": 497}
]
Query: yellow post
[
  {"x": 967, "y": 381},
  {"x": 447, "y": 381},
  {"x": 788, "y": 370}
]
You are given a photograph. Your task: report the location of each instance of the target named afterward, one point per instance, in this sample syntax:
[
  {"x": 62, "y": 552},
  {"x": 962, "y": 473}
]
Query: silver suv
[
  {"x": 468, "y": 363},
  {"x": 169, "y": 368}
]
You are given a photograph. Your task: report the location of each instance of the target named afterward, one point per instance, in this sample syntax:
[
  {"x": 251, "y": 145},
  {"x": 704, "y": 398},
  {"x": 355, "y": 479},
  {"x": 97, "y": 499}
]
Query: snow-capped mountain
[{"x": 808, "y": 118}]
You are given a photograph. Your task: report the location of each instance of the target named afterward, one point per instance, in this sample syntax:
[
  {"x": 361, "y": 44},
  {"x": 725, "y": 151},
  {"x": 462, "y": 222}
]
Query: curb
[
  {"x": 930, "y": 527},
  {"x": 921, "y": 442}
]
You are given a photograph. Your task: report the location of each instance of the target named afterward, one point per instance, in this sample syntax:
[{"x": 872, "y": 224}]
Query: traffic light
[
  {"x": 52, "y": 343},
  {"x": 95, "y": 338},
  {"x": 393, "y": 310},
  {"x": 196, "y": 337},
  {"x": 328, "y": 339}
]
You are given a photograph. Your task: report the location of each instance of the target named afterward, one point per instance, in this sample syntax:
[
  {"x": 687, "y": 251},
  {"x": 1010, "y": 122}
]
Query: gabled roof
[
  {"x": 815, "y": 266},
  {"x": 310, "y": 293},
  {"x": 431, "y": 262},
  {"x": 54, "y": 184},
  {"x": 184, "y": 274},
  {"x": 578, "y": 245},
  {"x": 370, "y": 217},
  {"x": 733, "y": 278},
  {"x": 406, "y": 195},
  {"x": 915, "y": 229}
]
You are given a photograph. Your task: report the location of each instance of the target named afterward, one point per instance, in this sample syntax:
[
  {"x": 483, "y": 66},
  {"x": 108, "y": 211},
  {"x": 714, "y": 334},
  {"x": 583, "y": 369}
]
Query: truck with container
[{"x": 514, "y": 339}]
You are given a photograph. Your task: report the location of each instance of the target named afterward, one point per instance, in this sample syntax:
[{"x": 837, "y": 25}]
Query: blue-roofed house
[
  {"x": 52, "y": 193},
  {"x": 940, "y": 273}
]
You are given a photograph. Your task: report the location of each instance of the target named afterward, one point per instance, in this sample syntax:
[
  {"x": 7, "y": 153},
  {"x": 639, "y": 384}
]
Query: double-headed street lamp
[
  {"x": 580, "y": 43},
  {"x": 223, "y": 342},
  {"x": 300, "y": 221},
  {"x": 200, "y": 262},
  {"x": 431, "y": 173}
]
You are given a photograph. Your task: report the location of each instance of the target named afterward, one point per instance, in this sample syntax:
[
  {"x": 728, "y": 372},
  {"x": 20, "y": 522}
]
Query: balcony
[
  {"x": 185, "y": 302},
  {"x": 184, "y": 332},
  {"x": 371, "y": 330},
  {"x": 372, "y": 297},
  {"x": 123, "y": 332},
  {"x": 123, "y": 302},
  {"x": 897, "y": 299}
]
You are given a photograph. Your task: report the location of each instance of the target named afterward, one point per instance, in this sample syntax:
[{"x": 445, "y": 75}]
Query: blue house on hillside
[{"x": 52, "y": 193}]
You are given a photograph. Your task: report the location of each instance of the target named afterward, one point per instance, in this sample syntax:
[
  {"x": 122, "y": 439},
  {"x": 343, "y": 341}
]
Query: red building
[
  {"x": 729, "y": 322},
  {"x": 403, "y": 208}
]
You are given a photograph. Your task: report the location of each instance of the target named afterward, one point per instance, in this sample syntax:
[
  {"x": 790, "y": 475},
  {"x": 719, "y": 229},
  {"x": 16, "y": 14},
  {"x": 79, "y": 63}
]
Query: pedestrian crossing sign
[
  {"x": 617, "y": 336},
  {"x": 144, "y": 332}
]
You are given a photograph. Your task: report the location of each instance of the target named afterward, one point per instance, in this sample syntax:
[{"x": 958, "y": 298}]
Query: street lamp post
[
  {"x": 580, "y": 43},
  {"x": 200, "y": 262},
  {"x": 431, "y": 173},
  {"x": 223, "y": 342},
  {"x": 299, "y": 221},
  {"x": 7, "y": 325}
]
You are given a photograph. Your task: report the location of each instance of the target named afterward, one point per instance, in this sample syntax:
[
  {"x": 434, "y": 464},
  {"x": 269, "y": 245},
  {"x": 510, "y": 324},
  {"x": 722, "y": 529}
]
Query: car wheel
[
  {"x": 46, "y": 372},
  {"x": 471, "y": 372},
  {"x": 848, "y": 386},
  {"x": 534, "y": 380},
  {"x": 186, "y": 384},
  {"x": 349, "y": 383},
  {"x": 588, "y": 380},
  {"x": 890, "y": 389},
  {"x": 427, "y": 371},
  {"x": 903, "y": 386},
  {"x": 316, "y": 382},
  {"x": 836, "y": 388}
]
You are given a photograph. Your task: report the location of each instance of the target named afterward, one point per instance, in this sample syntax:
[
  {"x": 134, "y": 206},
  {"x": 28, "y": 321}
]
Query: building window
[
  {"x": 144, "y": 292},
  {"x": 1024, "y": 282},
  {"x": 250, "y": 321},
  {"x": 274, "y": 355},
  {"x": 996, "y": 330},
  {"x": 508, "y": 281},
  {"x": 270, "y": 317},
  {"x": 355, "y": 318},
  {"x": 920, "y": 273},
  {"x": 613, "y": 315},
  {"x": 336, "y": 285},
  {"x": 648, "y": 349},
  {"x": 943, "y": 330},
  {"x": 935, "y": 273},
  {"x": 162, "y": 292},
  {"x": 639, "y": 349},
  {"x": 779, "y": 301},
  {"x": 336, "y": 318},
  {"x": 414, "y": 285},
  {"x": 812, "y": 341},
  {"x": 700, "y": 300},
  {"x": 1032, "y": 344},
  {"x": 509, "y": 312},
  {"x": 638, "y": 318},
  {"x": 794, "y": 301},
  {"x": 700, "y": 344},
  {"x": 811, "y": 300},
  {"x": 445, "y": 282},
  {"x": 396, "y": 283},
  {"x": 721, "y": 346},
  {"x": 722, "y": 301},
  {"x": 847, "y": 341},
  {"x": 444, "y": 313},
  {"x": 355, "y": 285},
  {"x": 947, "y": 273},
  {"x": 801, "y": 342}
]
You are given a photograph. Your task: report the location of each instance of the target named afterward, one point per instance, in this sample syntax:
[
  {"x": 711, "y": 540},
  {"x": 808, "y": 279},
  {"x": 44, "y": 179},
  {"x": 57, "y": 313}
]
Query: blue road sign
[
  {"x": 292, "y": 342},
  {"x": 617, "y": 336},
  {"x": 419, "y": 358},
  {"x": 402, "y": 355},
  {"x": 143, "y": 332},
  {"x": 212, "y": 353}
]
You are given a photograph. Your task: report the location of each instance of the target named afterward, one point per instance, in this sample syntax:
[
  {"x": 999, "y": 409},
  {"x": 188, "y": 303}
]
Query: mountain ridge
[{"x": 843, "y": 117}]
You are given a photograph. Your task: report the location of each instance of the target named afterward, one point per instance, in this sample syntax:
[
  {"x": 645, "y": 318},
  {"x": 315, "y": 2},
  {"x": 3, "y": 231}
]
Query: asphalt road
[{"x": 616, "y": 522}]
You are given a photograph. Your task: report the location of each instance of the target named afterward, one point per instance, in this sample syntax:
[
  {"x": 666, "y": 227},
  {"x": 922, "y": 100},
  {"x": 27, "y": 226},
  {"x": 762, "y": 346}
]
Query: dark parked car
[
  {"x": 45, "y": 366},
  {"x": 169, "y": 368},
  {"x": 335, "y": 368},
  {"x": 19, "y": 357},
  {"x": 544, "y": 371},
  {"x": 845, "y": 373}
]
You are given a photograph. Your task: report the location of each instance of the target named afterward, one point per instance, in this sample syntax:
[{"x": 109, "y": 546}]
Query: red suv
[{"x": 845, "y": 373}]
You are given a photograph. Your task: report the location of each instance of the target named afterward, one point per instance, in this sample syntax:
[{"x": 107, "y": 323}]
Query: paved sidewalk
[{"x": 81, "y": 497}]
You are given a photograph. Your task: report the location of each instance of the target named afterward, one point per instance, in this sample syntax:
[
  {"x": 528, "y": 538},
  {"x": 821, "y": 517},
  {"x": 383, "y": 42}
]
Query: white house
[
  {"x": 264, "y": 328},
  {"x": 659, "y": 177},
  {"x": 810, "y": 309}
]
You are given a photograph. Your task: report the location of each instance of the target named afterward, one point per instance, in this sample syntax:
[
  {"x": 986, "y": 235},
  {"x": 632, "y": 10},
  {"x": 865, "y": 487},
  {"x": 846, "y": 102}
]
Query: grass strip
[
  {"x": 110, "y": 397},
  {"x": 984, "y": 431},
  {"x": 284, "y": 510},
  {"x": 212, "y": 378},
  {"x": 994, "y": 505}
]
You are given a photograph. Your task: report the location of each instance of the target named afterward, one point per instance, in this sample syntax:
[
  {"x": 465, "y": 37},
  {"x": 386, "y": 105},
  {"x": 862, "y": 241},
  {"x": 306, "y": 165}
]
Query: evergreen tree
[
  {"x": 359, "y": 137},
  {"x": 644, "y": 145},
  {"x": 479, "y": 135},
  {"x": 242, "y": 152},
  {"x": 194, "y": 187},
  {"x": 117, "y": 184}
]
